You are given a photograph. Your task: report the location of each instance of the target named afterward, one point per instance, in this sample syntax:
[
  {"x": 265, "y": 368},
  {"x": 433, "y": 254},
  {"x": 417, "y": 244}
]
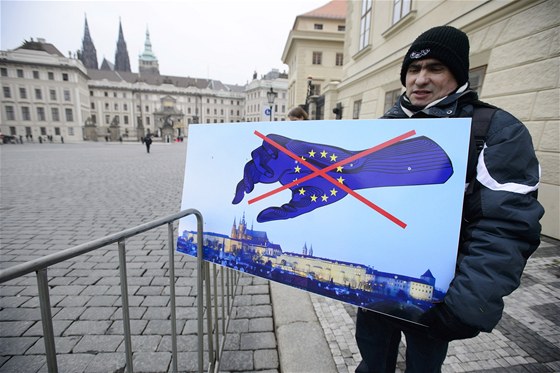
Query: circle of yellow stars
[{"x": 332, "y": 193}]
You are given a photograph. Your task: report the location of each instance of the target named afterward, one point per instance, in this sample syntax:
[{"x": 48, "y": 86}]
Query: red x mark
[{"x": 323, "y": 173}]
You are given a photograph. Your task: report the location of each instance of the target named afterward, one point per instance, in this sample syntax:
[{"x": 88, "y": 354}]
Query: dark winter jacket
[{"x": 500, "y": 227}]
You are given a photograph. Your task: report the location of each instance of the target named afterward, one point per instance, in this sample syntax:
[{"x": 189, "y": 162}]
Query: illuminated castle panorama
[{"x": 352, "y": 275}]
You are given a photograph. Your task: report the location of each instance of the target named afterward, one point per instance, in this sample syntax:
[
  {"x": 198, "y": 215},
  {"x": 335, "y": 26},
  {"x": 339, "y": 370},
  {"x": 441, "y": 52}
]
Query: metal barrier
[{"x": 227, "y": 277}]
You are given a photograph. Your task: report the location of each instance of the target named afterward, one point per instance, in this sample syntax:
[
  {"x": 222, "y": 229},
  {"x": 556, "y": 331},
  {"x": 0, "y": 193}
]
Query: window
[
  {"x": 38, "y": 94},
  {"x": 52, "y": 94},
  {"x": 10, "y": 114},
  {"x": 114, "y": 94},
  {"x": 57, "y": 131},
  {"x": 357, "y": 108},
  {"x": 318, "y": 26},
  {"x": 365, "y": 24},
  {"x": 93, "y": 105},
  {"x": 70, "y": 131},
  {"x": 7, "y": 92},
  {"x": 317, "y": 58},
  {"x": 125, "y": 119},
  {"x": 66, "y": 95},
  {"x": 390, "y": 99},
  {"x": 13, "y": 131},
  {"x": 91, "y": 93},
  {"x": 19, "y": 73},
  {"x": 55, "y": 114},
  {"x": 116, "y": 107},
  {"x": 147, "y": 121},
  {"x": 25, "y": 114},
  {"x": 476, "y": 78},
  {"x": 43, "y": 131},
  {"x": 93, "y": 118},
  {"x": 339, "y": 59},
  {"x": 106, "y": 94},
  {"x": 65, "y": 77},
  {"x": 207, "y": 110},
  {"x": 41, "y": 114},
  {"x": 125, "y": 107},
  {"x": 400, "y": 9},
  {"x": 22, "y": 92},
  {"x": 3, "y": 71},
  {"x": 28, "y": 131},
  {"x": 107, "y": 119},
  {"x": 147, "y": 108},
  {"x": 69, "y": 115},
  {"x": 106, "y": 106},
  {"x": 51, "y": 75},
  {"x": 35, "y": 74},
  {"x": 341, "y": 27}
]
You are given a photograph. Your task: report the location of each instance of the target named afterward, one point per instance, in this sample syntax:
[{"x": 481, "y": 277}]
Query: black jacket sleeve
[{"x": 500, "y": 230}]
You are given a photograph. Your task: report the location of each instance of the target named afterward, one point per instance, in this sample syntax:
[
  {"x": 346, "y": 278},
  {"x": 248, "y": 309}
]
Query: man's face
[{"x": 428, "y": 80}]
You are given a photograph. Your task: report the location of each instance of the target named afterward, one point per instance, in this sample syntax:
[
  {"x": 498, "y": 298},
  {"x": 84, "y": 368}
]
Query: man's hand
[{"x": 443, "y": 324}]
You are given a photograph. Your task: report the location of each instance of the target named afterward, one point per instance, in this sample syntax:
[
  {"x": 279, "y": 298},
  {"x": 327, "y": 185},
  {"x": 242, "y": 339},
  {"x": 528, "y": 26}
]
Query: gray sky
[{"x": 219, "y": 39}]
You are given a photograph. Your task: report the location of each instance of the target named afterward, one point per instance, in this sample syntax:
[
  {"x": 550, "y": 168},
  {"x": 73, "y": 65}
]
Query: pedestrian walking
[{"x": 148, "y": 142}]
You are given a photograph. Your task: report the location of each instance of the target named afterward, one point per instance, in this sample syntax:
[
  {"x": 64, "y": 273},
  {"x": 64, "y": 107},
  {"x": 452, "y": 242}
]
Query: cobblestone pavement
[
  {"x": 55, "y": 196},
  {"x": 527, "y": 339}
]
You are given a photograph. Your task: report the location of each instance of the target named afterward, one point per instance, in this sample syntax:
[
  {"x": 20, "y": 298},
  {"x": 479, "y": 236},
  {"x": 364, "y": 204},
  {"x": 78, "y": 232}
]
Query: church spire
[
  {"x": 88, "y": 54},
  {"x": 122, "y": 62},
  {"x": 147, "y": 61}
]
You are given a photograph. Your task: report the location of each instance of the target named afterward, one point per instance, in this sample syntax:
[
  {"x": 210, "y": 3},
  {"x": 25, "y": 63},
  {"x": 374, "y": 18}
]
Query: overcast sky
[{"x": 220, "y": 39}]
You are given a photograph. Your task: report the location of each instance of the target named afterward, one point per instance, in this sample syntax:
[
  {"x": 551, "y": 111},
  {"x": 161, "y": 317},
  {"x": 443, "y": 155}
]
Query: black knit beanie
[{"x": 444, "y": 43}]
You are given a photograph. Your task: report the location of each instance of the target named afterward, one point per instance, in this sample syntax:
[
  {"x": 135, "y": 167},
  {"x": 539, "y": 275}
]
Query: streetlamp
[
  {"x": 308, "y": 95},
  {"x": 271, "y": 96}
]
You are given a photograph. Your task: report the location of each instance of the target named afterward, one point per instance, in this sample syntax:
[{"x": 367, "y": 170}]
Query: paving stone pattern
[
  {"x": 55, "y": 196},
  {"x": 527, "y": 339}
]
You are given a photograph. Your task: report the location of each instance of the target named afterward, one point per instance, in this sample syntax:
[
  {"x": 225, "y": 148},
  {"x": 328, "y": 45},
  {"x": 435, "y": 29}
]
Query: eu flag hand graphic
[{"x": 417, "y": 161}]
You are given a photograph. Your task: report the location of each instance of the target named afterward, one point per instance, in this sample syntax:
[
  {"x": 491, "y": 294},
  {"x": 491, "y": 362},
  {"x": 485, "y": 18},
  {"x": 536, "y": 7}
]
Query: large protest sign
[{"x": 367, "y": 212}]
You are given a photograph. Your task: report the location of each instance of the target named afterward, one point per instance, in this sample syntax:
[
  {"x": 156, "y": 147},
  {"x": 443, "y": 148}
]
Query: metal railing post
[
  {"x": 211, "y": 356},
  {"x": 172, "y": 295},
  {"x": 199, "y": 294},
  {"x": 46, "y": 319},
  {"x": 216, "y": 332},
  {"x": 125, "y": 306}
]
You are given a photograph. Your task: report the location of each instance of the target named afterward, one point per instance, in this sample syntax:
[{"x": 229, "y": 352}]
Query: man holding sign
[{"x": 501, "y": 214}]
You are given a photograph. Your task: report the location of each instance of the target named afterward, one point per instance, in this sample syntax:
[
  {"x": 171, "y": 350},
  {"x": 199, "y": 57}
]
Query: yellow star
[
  {"x": 324, "y": 198},
  {"x": 333, "y": 192},
  {"x": 314, "y": 198},
  {"x": 339, "y": 169},
  {"x": 334, "y": 157},
  {"x": 302, "y": 192},
  {"x": 297, "y": 169},
  {"x": 323, "y": 154},
  {"x": 340, "y": 180},
  {"x": 312, "y": 153}
]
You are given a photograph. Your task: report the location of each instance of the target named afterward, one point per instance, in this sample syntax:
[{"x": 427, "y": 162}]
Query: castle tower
[
  {"x": 88, "y": 54},
  {"x": 147, "y": 61},
  {"x": 242, "y": 227},
  {"x": 122, "y": 62},
  {"x": 304, "y": 251},
  {"x": 234, "y": 230}
]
